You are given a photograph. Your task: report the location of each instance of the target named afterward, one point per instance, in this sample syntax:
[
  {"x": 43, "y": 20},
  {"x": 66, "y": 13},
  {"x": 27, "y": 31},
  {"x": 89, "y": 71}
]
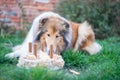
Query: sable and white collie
[
  {"x": 55, "y": 32},
  {"x": 74, "y": 35}
]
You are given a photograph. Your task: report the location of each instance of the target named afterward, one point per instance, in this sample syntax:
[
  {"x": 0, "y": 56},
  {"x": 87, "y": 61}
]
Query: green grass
[{"x": 103, "y": 66}]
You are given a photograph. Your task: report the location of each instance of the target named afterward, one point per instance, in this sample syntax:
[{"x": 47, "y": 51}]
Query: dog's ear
[
  {"x": 38, "y": 36},
  {"x": 66, "y": 25},
  {"x": 43, "y": 21},
  {"x": 63, "y": 34}
]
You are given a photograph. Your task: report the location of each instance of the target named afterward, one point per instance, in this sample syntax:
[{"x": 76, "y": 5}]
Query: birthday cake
[{"x": 42, "y": 59}]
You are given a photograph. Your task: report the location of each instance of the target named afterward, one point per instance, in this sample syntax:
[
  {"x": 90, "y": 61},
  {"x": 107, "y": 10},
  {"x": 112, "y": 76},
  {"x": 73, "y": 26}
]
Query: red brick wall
[{"x": 17, "y": 13}]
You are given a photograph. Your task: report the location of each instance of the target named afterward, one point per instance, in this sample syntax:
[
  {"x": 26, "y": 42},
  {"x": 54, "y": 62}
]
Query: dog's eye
[
  {"x": 57, "y": 36},
  {"x": 48, "y": 35}
]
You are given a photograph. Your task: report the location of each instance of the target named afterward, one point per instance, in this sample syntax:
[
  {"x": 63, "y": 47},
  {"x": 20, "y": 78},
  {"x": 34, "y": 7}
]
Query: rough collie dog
[
  {"x": 83, "y": 37},
  {"x": 74, "y": 35}
]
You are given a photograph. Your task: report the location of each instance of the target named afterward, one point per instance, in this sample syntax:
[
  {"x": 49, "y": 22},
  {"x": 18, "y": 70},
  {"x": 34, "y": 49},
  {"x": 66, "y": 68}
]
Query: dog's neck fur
[{"x": 74, "y": 27}]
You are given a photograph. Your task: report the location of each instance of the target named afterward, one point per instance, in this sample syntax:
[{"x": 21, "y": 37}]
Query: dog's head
[
  {"x": 53, "y": 37},
  {"x": 55, "y": 27}
]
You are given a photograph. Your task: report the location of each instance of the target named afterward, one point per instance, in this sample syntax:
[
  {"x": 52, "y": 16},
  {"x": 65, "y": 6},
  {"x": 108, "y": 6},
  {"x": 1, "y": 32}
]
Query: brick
[
  {"x": 26, "y": 2},
  {"x": 12, "y": 18},
  {"x": 15, "y": 19},
  {"x": 31, "y": 12},
  {"x": 10, "y": 2},
  {"x": 2, "y": 16},
  {"x": 54, "y": 1},
  {"x": 2, "y": 2},
  {"x": 41, "y": 7}
]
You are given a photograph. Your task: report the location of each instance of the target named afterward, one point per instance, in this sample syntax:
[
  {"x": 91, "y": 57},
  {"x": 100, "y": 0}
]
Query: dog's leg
[
  {"x": 76, "y": 45},
  {"x": 14, "y": 54},
  {"x": 86, "y": 33},
  {"x": 16, "y": 47},
  {"x": 93, "y": 48}
]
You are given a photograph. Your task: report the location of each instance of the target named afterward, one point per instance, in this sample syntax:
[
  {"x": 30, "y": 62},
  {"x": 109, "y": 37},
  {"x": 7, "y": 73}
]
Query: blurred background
[{"x": 16, "y": 16}]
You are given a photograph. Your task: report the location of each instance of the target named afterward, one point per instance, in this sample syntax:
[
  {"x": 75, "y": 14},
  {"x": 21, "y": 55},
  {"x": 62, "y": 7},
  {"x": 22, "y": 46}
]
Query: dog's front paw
[{"x": 10, "y": 55}]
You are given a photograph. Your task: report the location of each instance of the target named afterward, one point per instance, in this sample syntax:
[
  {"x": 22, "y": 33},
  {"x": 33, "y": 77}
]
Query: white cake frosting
[{"x": 42, "y": 60}]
